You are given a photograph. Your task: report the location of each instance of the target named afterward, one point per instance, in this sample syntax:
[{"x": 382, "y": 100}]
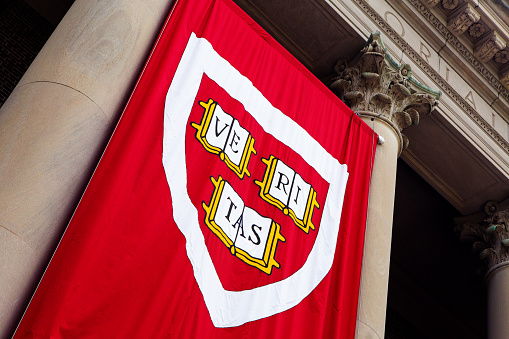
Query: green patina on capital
[{"x": 391, "y": 62}]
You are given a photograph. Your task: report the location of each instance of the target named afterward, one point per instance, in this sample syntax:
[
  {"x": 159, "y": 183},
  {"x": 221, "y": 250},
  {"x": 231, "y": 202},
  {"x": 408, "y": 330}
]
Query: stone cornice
[
  {"x": 463, "y": 18},
  {"x": 460, "y": 48},
  {"x": 488, "y": 47},
  {"x": 434, "y": 75}
]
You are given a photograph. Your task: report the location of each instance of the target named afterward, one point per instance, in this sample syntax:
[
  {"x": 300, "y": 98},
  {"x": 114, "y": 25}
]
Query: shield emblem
[{"x": 257, "y": 198}]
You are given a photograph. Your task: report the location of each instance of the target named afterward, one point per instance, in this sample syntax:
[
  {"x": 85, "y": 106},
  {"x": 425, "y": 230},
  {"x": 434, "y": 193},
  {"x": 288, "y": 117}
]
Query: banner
[{"x": 230, "y": 202}]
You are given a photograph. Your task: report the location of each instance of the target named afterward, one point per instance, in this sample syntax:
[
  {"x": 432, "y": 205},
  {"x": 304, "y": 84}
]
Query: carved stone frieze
[
  {"x": 462, "y": 49},
  {"x": 444, "y": 85},
  {"x": 376, "y": 86},
  {"x": 460, "y": 21},
  {"x": 488, "y": 233},
  {"x": 488, "y": 47}
]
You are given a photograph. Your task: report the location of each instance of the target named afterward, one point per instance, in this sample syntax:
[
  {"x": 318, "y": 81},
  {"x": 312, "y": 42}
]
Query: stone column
[
  {"x": 388, "y": 99},
  {"x": 54, "y": 127},
  {"x": 488, "y": 231}
]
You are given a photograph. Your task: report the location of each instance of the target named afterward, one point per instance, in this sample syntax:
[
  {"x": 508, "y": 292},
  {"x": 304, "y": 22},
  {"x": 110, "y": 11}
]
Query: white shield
[{"x": 234, "y": 308}]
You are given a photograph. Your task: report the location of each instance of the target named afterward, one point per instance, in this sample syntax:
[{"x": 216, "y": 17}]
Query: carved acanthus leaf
[
  {"x": 489, "y": 237},
  {"x": 464, "y": 17},
  {"x": 488, "y": 47},
  {"x": 375, "y": 85}
]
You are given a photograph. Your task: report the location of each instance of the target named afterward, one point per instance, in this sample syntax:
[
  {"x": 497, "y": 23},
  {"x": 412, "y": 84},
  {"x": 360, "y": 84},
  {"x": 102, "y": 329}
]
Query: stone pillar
[
  {"x": 488, "y": 231},
  {"x": 54, "y": 127},
  {"x": 377, "y": 243},
  {"x": 385, "y": 96}
]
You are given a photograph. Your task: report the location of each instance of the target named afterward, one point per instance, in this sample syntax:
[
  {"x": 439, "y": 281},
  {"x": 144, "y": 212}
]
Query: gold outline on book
[
  {"x": 274, "y": 236},
  {"x": 201, "y": 131},
  {"x": 306, "y": 223}
]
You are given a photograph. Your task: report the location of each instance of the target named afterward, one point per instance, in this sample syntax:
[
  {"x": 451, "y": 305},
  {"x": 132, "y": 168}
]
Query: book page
[
  {"x": 236, "y": 144},
  {"x": 219, "y": 127},
  {"x": 253, "y": 239},
  {"x": 281, "y": 183},
  {"x": 299, "y": 196},
  {"x": 229, "y": 212}
]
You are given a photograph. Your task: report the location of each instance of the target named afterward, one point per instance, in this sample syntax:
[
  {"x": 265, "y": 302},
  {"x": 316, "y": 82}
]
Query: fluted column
[
  {"x": 488, "y": 232},
  {"x": 388, "y": 99},
  {"x": 54, "y": 127}
]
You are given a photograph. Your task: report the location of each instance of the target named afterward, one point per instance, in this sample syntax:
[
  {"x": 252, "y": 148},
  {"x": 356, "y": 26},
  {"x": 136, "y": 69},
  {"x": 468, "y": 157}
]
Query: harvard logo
[
  {"x": 251, "y": 237},
  {"x": 258, "y": 197}
]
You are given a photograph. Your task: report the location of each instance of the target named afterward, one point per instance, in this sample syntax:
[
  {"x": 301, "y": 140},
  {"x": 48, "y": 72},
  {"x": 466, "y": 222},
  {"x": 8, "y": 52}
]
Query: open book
[
  {"x": 284, "y": 188},
  {"x": 249, "y": 236},
  {"x": 221, "y": 134}
]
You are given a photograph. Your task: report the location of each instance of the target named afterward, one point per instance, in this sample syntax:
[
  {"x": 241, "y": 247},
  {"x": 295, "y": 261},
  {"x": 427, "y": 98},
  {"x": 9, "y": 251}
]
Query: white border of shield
[{"x": 234, "y": 308}]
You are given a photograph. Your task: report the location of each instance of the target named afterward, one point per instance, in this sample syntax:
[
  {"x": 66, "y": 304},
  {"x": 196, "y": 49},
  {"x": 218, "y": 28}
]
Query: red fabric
[{"x": 121, "y": 270}]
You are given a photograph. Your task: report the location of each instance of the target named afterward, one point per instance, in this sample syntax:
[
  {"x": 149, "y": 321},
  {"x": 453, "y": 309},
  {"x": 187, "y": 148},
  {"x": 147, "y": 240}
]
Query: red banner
[{"x": 230, "y": 202}]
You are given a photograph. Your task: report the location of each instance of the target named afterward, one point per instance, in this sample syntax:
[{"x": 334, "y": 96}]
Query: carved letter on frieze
[
  {"x": 488, "y": 47},
  {"x": 459, "y": 22},
  {"x": 376, "y": 86},
  {"x": 425, "y": 52},
  {"x": 470, "y": 98},
  {"x": 489, "y": 236}
]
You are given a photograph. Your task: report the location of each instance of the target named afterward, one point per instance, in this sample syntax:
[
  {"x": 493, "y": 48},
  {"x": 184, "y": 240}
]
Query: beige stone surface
[
  {"x": 17, "y": 261},
  {"x": 377, "y": 245},
  {"x": 366, "y": 332},
  {"x": 99, "y": 49},
  {"x": 46, "y": 160},
  {"x": 49, "y": 152},
  {"x": 53, "y": 129}
]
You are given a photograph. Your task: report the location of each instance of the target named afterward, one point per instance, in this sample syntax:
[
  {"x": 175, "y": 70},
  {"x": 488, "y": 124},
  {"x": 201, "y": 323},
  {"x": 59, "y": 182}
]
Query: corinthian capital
[
  {"x": 375, "y": 85},
  {"x": 488, "y": 232}
]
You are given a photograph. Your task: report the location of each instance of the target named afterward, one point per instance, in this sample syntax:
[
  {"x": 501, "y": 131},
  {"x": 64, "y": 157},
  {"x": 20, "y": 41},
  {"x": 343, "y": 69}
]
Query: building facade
[{"x": 441, "y": 173}]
